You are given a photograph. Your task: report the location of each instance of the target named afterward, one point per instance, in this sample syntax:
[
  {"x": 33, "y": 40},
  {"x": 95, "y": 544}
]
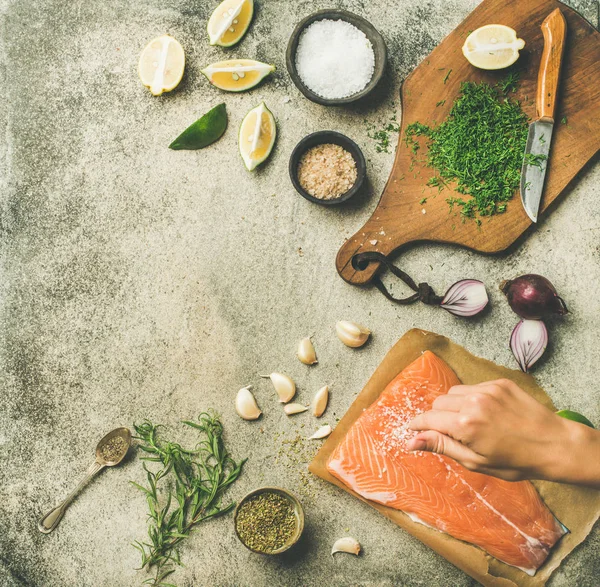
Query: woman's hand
[{"x": 498, "y": 429}]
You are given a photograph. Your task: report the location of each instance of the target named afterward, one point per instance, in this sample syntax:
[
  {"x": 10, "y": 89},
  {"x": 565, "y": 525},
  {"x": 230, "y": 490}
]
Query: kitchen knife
[{"x": 533, "y": 172}]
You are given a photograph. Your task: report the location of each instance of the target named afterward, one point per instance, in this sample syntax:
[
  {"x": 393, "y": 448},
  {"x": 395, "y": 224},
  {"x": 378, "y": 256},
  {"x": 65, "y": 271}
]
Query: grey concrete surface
[{"x": 138, "y": 282}]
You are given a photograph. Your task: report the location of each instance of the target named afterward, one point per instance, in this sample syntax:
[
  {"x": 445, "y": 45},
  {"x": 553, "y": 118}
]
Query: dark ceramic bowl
[
  {"x": 360, "y": 23},
  {"x": 297, "y": 506},
  {"x": 323, "y": 137}
]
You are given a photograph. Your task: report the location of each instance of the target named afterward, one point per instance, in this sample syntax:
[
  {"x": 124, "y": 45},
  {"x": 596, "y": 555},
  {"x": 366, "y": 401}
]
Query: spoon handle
[{"x": 54, "y": 516}]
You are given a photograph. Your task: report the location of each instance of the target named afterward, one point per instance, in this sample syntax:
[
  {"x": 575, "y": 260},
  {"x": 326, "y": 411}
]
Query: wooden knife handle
[{"x": 554, "y": 29}]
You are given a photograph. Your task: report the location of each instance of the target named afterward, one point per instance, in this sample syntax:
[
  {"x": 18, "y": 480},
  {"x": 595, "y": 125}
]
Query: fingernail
[{"x": 416, "y": 444}]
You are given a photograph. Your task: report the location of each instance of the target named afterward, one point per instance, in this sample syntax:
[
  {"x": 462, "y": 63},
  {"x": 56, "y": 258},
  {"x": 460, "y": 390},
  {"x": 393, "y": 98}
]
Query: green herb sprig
[
  {"x": 191, "y": 485},
  {"x": 478, "y": 148}
]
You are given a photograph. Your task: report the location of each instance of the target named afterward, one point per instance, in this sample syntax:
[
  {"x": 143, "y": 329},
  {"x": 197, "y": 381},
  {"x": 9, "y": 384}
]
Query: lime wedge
[
  {"x": 204, "y": 131},
  {"x": 576, "y": 417}
]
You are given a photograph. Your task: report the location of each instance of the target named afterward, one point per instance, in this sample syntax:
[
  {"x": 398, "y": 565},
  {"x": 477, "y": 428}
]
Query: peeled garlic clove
[
  {"x": 245, "y": 404},
  {"x": 306, "y": 352},
  {"x": 351, "y": 334},
  {"x": 319, "y": 403},
  {"x": 291, "y": 409},
  {"x": 322, "y": 432},
  {"x": 284, "y": 386},
  {"x": 347, "y": 544}
]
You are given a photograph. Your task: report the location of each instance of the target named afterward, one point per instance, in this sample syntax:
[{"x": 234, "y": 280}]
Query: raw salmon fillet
[{"x": 508, "y": 520}]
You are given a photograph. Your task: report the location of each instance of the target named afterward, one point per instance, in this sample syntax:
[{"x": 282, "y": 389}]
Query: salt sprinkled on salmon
[{"x": 508, "y": 520}]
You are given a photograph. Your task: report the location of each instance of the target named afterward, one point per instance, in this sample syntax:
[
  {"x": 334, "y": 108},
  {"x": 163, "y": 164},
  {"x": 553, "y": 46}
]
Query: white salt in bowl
[{"x": 377, "y": 42}]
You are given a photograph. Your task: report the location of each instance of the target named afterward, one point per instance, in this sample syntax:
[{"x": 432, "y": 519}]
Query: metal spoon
[{"x": 103, "y": 459}]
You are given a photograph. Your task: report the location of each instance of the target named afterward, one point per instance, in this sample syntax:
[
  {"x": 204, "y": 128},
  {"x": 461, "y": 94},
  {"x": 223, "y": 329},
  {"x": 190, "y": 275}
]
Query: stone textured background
[{"x": 138, "y": 282}]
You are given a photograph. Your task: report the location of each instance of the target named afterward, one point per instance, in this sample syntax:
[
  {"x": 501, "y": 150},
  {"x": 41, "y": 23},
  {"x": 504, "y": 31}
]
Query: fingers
[
  {"x": 462, "y": 389},
  {"x": 490, "y": 387},
  {"x": 444, "y": 422},
  {"x": 449, "y": 403},
  {"x": 433, "y": 441}
]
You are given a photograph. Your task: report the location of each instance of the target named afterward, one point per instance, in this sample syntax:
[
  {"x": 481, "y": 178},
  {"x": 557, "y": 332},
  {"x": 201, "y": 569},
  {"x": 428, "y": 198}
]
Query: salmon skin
[{"x": 508, "y": 520}]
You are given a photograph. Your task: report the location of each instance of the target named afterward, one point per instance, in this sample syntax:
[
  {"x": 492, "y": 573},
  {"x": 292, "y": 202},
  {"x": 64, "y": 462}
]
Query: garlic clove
[
  {"x": 346, "y": 544},
  {"x": 319, "y": 403},
  {"x": 245, "y": 404},
  {"x": 306, "y": 352},
  {"x": 351, "y": 334},
  {"x": 284, "y": 386},
  {"x": 322, "y": 432},
  {"x": 291, "y": 409}
]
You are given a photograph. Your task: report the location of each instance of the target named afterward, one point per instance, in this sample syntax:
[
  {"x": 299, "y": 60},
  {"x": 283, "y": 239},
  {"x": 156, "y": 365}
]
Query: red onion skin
[{"x": 533, "y": 297}]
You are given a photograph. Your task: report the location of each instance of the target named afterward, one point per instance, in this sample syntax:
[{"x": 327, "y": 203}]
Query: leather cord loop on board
[{"x": 423, "y": 291}]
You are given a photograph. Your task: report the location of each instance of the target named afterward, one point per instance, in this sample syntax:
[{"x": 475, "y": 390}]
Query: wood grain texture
[
  {"x": 399, "y": 219},
  {"x": 554, "y": 31}
]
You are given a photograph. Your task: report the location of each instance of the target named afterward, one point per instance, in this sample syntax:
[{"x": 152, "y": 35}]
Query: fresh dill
[
  {"x": 191, "y": 486},
  {"x": 478, "y": 148},
  {"x": 534, "y": 160},
  {"x": 440, "y": 103},
  {"x": 447, "y": 76},
  {"x": 382, "y": 136}
]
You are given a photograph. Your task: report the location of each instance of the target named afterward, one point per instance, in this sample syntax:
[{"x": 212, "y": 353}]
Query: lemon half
[
  {"x": 161, "y": 64},
  {"x": 237, "y": 75},
  {"x": 229, "y": 22},
  {"x": 493, "y": 46},
  {"x": 257, "y": 136}
]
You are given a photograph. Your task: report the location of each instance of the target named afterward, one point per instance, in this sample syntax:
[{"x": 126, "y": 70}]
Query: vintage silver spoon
[{"x": 111, "y": 450}]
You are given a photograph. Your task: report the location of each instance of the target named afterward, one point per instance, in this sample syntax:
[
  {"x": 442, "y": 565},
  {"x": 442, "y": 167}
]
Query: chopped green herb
[
  {"x": 423, "y": 201},
  {"x": 509, "y": 83},
  {"x": 447, "y": 76},
  {"x": 479, "y": 147},
  {"x": 440, "y": 103},
  {"x": 382, "y": 136},
  {"x": 534, "y": 160},
  {"x": 564, "y": 120}
]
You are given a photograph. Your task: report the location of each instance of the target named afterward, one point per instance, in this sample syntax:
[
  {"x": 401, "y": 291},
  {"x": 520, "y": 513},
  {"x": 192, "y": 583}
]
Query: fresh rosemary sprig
[
  {"x": 479, "y": 148},
  {"x": 191, "y": 485}
]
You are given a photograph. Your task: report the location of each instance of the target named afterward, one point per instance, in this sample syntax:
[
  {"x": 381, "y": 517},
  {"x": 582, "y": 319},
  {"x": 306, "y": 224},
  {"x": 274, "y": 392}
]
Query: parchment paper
[{"x": 576, "y": 507}]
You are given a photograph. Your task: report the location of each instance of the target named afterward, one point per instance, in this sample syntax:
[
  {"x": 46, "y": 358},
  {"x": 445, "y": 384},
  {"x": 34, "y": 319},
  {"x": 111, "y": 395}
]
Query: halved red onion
[
  {"x": 528, "y": 342},
  {"x": 465, "y": 298}
]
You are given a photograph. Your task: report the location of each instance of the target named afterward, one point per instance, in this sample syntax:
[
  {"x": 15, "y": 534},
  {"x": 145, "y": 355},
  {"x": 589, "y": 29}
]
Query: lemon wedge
[
  {"x": 229, "y": 22},
  {"x": 257, "y": 136},
  {"x": 493, "y": 46},
  {"x": 161, "y": 65},
  {"x": 237, "y": 75}
]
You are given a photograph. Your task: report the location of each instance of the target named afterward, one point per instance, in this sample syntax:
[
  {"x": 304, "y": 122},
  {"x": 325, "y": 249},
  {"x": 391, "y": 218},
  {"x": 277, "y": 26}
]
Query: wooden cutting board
[{"x": 399, "y": 219}]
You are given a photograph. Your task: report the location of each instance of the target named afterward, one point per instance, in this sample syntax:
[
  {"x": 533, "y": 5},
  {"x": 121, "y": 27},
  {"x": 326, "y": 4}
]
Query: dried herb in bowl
[
  {"x": 478, "y": 148},
  {"x": 266, "y": 522}
]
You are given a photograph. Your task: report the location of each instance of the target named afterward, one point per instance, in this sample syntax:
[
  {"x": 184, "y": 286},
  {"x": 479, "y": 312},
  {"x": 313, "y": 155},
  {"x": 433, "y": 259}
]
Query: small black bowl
[
  {"x": 360, "y": 23},
  {"x": 320, "y": 138}
]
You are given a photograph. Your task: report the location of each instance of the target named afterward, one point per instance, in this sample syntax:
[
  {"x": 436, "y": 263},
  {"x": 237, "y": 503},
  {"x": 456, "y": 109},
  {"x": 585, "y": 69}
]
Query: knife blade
[{"x": 539, "y": 138}]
